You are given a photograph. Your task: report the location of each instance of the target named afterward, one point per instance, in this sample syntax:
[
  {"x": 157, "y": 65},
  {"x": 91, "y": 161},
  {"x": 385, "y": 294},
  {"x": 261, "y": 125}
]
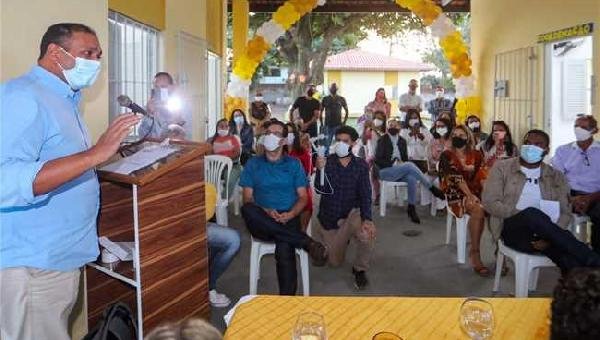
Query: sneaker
[
  {"x": 360, "y": 279},
  {"x": 217, "y": 299},
  {"x": 318, "y": 253},
  {"x": 437, "y": 192}
]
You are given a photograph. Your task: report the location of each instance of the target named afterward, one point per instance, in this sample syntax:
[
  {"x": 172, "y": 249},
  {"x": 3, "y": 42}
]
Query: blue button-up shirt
[
  {"x": 40, "y": 121},
  {"x": 274, "y": 184},
  {"x": 582, "y": 168}
]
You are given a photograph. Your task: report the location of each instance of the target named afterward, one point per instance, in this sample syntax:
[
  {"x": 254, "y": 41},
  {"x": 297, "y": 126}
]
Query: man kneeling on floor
[
  {"x": 533, "y": 200},
  {"x": 345, "y": 207},
  {"x": 274, "y": 194}
]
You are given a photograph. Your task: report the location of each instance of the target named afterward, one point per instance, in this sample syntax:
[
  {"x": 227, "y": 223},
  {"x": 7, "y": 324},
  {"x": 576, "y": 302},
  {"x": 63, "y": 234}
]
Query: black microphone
[{"x": 125, "y": 101}]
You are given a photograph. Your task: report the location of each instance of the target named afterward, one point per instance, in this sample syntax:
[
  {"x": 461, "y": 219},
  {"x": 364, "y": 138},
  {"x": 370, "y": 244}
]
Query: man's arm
[
  {"x": 247, "y": 195},
  {"x": 321, "y": 111},
  {"x": 364, "y": 192},
  {"x": 345, "y": 107},
  {"x": 294, "y": 107},
  {"x": 492, "y": 197},
  {"x": 566, "y": 215},
  {"x": 62, "y": 170}
]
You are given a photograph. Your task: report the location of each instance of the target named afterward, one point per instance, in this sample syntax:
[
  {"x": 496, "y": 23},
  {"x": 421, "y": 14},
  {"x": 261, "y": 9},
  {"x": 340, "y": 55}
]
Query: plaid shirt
[{"x": 351, "y": 189}]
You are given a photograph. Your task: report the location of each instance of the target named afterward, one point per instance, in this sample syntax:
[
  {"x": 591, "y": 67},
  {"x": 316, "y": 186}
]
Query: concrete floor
[{"x": 401, "y": 266}]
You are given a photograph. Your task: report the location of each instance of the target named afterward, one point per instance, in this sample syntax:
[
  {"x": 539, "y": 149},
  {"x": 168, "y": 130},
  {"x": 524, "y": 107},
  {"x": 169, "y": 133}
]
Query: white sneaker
[{"x": 217, "y": 299}]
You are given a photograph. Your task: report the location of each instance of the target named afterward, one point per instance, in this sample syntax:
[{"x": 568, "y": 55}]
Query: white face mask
[
  {"x": 442, "y": 131},
  {"x": 164, "y": 94},
  {"x": 258, "y": 99},
  {"x": 377, "y": 122},
  {"x": 290, "y": 139},
  {"x": 342, "y": 149},
  {"x": 439, "y": 94},
  {"x": 582, "y": 134},
  {"x": 413, "y": 122},
  {"x": 222, "y": 132},
  {"x": 473, "y": 125},
  {"x": 271, "y": 142},
  {"x": 83, "y": 74},
  {"x": 239, "y": 120}
]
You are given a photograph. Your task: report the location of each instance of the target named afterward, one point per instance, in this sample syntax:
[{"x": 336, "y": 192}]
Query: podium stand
[{"x": 161, "y": 209}]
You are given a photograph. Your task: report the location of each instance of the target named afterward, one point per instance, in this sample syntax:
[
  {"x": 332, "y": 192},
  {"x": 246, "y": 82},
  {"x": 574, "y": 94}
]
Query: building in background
[{"x": 359, "y": 74}]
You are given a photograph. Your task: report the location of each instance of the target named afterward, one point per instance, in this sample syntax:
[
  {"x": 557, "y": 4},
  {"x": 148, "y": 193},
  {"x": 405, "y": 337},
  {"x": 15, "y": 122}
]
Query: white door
[
  {"x": 568, "y": 88},
  {"x": 215, "y": 93}
]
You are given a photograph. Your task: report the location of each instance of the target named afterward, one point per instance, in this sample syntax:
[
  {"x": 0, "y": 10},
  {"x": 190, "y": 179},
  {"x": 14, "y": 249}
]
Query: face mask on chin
[
  {"x": 271, "y": 142},
  {"x": 83, "y": 74}
]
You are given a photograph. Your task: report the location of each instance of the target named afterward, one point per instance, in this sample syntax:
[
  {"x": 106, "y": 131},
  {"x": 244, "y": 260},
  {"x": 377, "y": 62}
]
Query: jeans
[
  {"x": 406, "y": 172},
  {"x": 565, "y": 250},
  {"x": 329, "y": 132},
  {"x": 223, "y": 245},
  {"x": 287, "y": 237}
]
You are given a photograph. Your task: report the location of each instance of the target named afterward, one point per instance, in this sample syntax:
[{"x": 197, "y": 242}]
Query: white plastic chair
[
  {"x": 215, "y": 166},
  {"x": 260, "y": 248},
  {"x": 400, "y": 192},
  {"x": 237, "y": 200},
  {"x": 527, "y": 269},
  {"x": 461, "y": 234}
]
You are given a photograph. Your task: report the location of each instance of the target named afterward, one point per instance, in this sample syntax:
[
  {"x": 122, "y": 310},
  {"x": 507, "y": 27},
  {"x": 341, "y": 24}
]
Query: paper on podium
[
  {"x": 141, "y": 159},
  {"x": 551, "y": 208}
]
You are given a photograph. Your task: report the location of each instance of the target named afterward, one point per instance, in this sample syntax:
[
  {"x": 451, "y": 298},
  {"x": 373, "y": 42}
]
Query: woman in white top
[{"x": 417, "y": 139}]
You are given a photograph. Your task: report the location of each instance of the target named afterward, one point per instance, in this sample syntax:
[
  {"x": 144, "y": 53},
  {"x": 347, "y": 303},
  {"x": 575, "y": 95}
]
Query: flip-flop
[{"x": 482, "y": 271}]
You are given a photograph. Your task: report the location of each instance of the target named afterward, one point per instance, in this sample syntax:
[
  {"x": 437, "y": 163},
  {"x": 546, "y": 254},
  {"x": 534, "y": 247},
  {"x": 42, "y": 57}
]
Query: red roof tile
[{"x": 357, "y": 60}]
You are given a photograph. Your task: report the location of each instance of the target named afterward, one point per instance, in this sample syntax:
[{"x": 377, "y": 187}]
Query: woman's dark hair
[
  {"x": 509, "y": 146},
  {"x": 384, "y": 96},
  {"x": 211, "y": 140},
  {"x": 409, "y": 112},
  {"x": 296, "y": 146},
  {"x": 59, "y": 34},
  {"x": 576, "y": 305},
  {"x": 471, "y": 116},
  {"x": 233, "y": 125}
]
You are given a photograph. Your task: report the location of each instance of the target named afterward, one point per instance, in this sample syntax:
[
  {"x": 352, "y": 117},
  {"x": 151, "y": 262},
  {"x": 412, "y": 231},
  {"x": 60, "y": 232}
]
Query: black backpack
[{"x": 116, "y": 323}]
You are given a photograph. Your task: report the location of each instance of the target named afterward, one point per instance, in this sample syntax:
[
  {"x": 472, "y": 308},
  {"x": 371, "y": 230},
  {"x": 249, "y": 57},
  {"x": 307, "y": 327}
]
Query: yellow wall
[
  {"x": 19, "y": 52},
  {"x": 216, "y": 25},
  {"x": 333, "y": 77},
  {"x": 500, "y": 26},
  {"x": 182, "y": 15},
  {"x": 150, "y": 12},
  {"x": 359, "y": 89}
]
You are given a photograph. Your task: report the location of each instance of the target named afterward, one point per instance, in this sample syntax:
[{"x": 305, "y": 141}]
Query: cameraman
[{"x": 164, "y": 108}]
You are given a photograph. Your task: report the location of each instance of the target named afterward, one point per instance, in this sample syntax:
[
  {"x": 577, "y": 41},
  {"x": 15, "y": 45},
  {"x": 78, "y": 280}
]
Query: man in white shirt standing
[
  {"x": 410, "y": 100},
  {"x": 532, "y": 199}
]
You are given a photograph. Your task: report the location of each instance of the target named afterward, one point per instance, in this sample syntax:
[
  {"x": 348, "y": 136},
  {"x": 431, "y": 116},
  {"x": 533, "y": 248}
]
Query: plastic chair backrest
[{"x": 215, "y": 166}]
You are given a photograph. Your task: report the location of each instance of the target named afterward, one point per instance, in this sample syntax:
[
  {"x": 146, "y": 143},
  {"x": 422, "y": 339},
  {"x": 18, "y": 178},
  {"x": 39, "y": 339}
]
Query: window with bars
[{"x": 133, "y": 60}]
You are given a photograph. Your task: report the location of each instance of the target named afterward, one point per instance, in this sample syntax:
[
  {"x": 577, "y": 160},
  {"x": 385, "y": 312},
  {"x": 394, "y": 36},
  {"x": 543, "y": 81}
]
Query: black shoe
[
  {"x": 412, "y": 213},
  {"x": 318, "y": 252},
  {"x": 360, "y": 279},
  {"x": 437, "y": 192}
]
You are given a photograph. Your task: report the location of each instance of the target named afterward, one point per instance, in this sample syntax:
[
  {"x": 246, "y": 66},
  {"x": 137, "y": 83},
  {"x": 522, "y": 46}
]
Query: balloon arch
[{"x": 452, "y": 44}]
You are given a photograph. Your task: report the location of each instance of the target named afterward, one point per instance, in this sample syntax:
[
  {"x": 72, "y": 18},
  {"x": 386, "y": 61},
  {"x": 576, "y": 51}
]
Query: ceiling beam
[{"x": 357, "y": 6}]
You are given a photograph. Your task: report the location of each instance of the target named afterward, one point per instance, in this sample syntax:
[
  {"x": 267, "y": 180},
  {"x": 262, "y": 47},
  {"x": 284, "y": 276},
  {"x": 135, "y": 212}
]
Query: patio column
[{"x": 241, "y": 12}]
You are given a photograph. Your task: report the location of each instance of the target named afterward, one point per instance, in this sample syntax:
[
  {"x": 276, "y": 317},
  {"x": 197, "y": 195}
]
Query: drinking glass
[
  {"x": 309, "y": 326},
  {"x": 477, "y": 318}
]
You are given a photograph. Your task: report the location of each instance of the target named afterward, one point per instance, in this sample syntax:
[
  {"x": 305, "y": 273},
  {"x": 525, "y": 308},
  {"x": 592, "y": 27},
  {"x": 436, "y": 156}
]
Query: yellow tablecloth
[{"x": 347, "y": 318}]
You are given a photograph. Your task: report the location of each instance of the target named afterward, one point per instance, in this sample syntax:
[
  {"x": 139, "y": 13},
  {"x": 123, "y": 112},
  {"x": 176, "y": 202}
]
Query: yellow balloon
[{"x": 210, "y": 200}]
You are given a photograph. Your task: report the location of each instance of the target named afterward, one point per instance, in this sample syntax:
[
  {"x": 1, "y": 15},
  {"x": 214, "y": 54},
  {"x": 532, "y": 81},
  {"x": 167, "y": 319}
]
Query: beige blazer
[{"x": 504, "y": 185}]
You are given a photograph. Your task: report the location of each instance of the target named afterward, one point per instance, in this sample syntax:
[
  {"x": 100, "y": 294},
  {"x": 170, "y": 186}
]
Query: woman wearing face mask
[
  {"x": 498, "y": 145},
  {"x": 239, "y": 127},
  {"x": 225, "y": 144},
  {"x": 370, "y": 138},
  {"x": 440, "y": 141},
  {"x": 474, "y": 124},
  {"x": 417, "y": 138},
  {"x": 460, "y": 170},
  {"x": 298, "y": 146}
]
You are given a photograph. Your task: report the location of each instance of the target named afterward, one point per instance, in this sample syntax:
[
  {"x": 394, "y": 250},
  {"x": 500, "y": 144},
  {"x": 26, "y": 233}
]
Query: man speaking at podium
[{"x": 49, "y": 192}]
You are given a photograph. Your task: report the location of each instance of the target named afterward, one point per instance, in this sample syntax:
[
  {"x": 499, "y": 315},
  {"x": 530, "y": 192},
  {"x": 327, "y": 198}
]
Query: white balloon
[
  {"x": 321, "y": 2},
  {"x": 442, "y": 26},
  {"x": 271, "y": 31}
]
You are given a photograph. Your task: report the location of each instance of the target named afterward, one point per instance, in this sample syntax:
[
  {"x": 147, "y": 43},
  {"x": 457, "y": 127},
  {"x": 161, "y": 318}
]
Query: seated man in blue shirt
[
  {"x": 345, "y": 207},
  {"x": 580, "y": 162},
  {"x": 49, "y": 193},
  {"x": 274, "y": 194}
]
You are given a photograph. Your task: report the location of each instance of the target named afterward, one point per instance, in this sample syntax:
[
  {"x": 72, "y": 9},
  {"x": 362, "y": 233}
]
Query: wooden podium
[{"x": 161, "y": 209}]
